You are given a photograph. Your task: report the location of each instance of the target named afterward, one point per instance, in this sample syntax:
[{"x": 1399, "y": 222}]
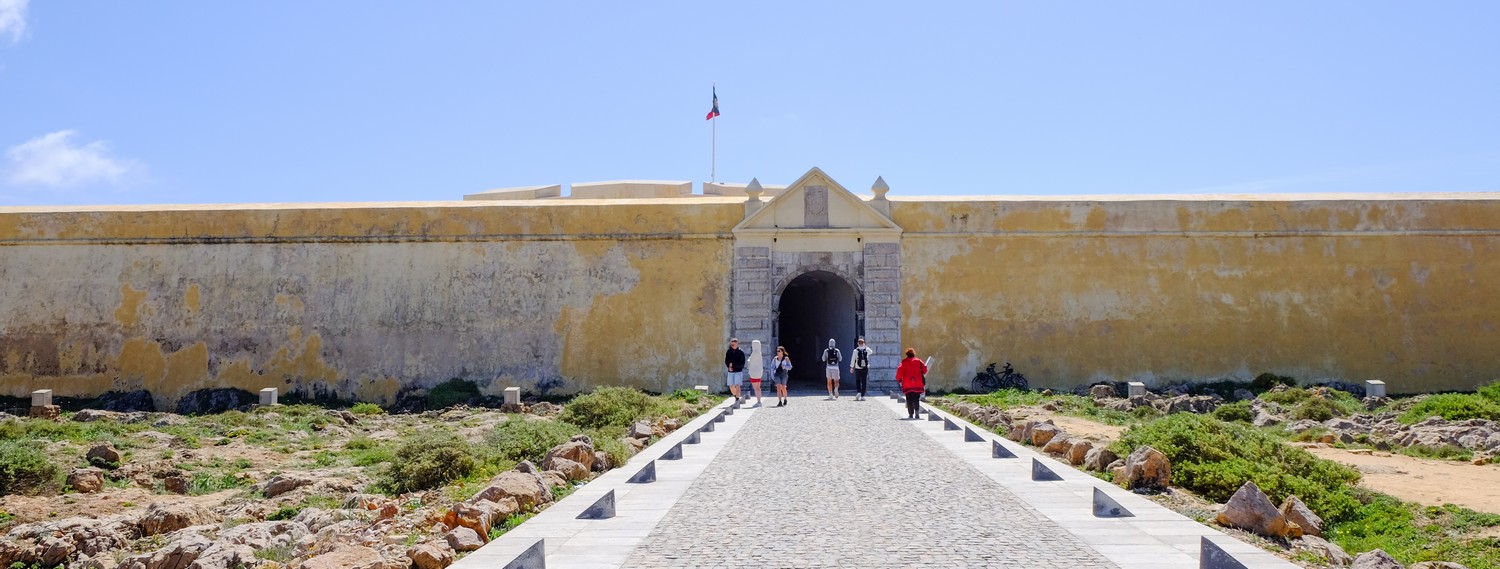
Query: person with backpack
[
  {"x": 859, "y": 365},
  {"x": 734, "y": 362},
  {"x": 912, "y": 374},
  {"x": 831, "y": 358}
]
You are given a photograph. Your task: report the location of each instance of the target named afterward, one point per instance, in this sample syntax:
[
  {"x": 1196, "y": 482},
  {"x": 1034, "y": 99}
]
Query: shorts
[
  {"x": 754, "y": 380},
  {"x": 735, "y": 378},
  {"x": 778, "y": 379},
  {"x": 833, "y": 372}
]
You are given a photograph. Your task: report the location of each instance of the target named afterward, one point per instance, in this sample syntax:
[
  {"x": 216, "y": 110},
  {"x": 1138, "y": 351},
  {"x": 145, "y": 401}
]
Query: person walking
[
  {"x": 831, "y": 358},
  {"x": 859, "y": 365},
  {"x": 756, "y": 368},
  {"x": 912, "y": 374},
  {"x": 734, "y": 360},
  {"x": 781, "y": 366}
]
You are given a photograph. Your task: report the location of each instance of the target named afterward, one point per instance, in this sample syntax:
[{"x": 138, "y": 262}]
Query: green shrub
[
  {"x": 1454, "y": 407},
  {"x": 366, "y": 409},
  {"x": 1439, "y": 452},
  {"x": 26, "y": 469},
  {"x": 519, "y": 439},
  {"x": 208, "y": 483},
  {"x": 1491, "y": 391},
  {"x": 1215, "y": 458},
  {"x": 1412, "y": 533},
  {"x": 1237, "y": 411},
  {"x": 284, "y": 513},
  {"x": 607, "y": 406},
  {"x": 452, "y": 392},
  {"x": 1268, "y": 381},
  {"x": 426, "y": 460},
  {"x": 1314, "y": 409}
]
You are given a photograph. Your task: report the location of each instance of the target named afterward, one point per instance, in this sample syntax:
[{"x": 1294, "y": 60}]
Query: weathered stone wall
[
  {"x": 364, "y": 300},
  {"x": 1073, "y": 291}
]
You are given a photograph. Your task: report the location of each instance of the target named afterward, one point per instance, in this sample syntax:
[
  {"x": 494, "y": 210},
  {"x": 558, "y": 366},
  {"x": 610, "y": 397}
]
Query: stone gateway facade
[{"x": 642, "y": 283}]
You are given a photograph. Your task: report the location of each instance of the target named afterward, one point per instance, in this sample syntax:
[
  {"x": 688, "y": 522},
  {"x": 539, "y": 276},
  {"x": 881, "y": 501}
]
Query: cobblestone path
[{"x": 850, "y": 484}]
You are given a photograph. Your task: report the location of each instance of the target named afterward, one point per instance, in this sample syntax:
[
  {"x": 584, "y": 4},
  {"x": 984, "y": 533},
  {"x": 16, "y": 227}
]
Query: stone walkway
[{"x": 852, "y": 484}]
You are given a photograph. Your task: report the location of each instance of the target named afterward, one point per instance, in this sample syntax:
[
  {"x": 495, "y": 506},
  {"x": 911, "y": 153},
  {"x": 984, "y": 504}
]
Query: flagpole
[{"x": 713, "y": 145}]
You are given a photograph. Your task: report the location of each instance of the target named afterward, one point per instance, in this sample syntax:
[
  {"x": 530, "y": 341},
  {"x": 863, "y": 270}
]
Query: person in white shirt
[
  {"x": 859, "y": 365},
  {"x": 756, "y": 368}
]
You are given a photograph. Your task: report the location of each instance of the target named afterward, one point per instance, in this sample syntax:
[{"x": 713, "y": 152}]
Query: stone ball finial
[
  {"x": 754, "y": 190},
  {"x": 880, "y": 188}
]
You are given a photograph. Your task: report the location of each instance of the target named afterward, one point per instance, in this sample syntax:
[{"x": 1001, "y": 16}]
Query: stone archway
[{"x": 810, "y": 309}]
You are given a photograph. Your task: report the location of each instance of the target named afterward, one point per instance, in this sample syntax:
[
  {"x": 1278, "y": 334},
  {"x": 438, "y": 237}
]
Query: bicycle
[{"x": 990, "y": 380}]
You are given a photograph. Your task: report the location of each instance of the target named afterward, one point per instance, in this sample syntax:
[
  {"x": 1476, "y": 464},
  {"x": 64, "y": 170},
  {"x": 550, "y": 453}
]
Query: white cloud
[
  {"x": 13, "y": 19},
  {"x": 53, "y": 160}
]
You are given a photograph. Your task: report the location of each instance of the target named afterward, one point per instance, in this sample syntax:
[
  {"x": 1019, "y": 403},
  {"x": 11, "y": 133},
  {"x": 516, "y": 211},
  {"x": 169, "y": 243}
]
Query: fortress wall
[
  {"x": 363, "y": 300},
  {"x": 1401, "y": 290}
]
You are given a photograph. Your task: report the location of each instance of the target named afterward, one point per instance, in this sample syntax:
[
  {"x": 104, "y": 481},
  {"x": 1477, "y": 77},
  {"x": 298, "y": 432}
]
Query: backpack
[
  {"x": 862, "y": 357},
  {"x": 831, "y": 356}
]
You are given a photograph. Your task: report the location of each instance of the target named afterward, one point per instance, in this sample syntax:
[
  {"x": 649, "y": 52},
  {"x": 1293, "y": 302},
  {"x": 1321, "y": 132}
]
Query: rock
[
  {"x": 431, "y": 555},
  {"x": 1147, "y": 468},
  {"x": 162, "y": 517},
  {"x": 1376, "y": 559},
  {"x": 580, "y": 452},
  {"x": 527, "y": 467},
  {"x": 104, "y": 455},
  {"x": 93, "y": 415},
  {"x": 127, "y": 402},
  {"x": 1078, "y": 451},
  {"x": 1016, "y": 432},
  {"x": 634, "y": 444},
  {"x": 545, "y": 408},
  {"x": 463, "y": 539},
  {"x": 177, "y": 484},
  {"x": 1059, "y": 444},
  {"x": 525, "y": 488},
  {"x": 263, "y": 535},
  {"x": 283, "y": 483},
  {"x": 1249, "y": 509},
  {"x": 1103, "y": 392},
  {"x": 48, "y": 412},
  {"x": 1438, "y": 565},
  {"x": 176, "y": 555},
  {"x": 51, "y": 543},
  {"x": 1265, "y": 419},
  {"x": 473, "y": 517},
  {"x": 670, "y": 425},
  {"x": 1098, "y": 459},
  {"x": 345, "y": 557},
  {"x": 217, "y": 400},
  {"x": 1302, "y": 426},
  {"x": 1243, "y": 395},
  {"x": 1330, "y": 552},
  {"x": 601, "y": 461},
  {"x": 1298, "y": 513},
  {"x": 86, "y": 480},
  {"x": 582, "y": 438},
  {"x": 1199, "y": 404},
  {"x": 642, "y": 430},
  {"x": 1043, "y": 433},
  {"x": 569, "y": 470},
  {"x": 225, "y": 556},
  {"x": 553, "y": 479}
]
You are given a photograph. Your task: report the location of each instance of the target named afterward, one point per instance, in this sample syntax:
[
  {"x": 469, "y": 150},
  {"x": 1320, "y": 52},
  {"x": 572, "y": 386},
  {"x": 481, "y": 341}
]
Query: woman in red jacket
[{"x": 912, "y": 374}]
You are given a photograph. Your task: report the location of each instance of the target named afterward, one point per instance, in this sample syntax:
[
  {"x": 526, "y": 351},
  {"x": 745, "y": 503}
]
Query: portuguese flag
[{"x": 714, "y": 111}]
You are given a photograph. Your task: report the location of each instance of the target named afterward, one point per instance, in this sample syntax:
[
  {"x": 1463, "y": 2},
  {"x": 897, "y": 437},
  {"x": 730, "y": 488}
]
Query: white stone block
[
  {"x": 1374, "y": 388},
  {"x": 512, "y": 396},
  {"x": 1137, "y": 389},
  {"x": 41, "y": 398},
  {"x": 703, "y": 388},
  {"x": 268, "y": 396}
]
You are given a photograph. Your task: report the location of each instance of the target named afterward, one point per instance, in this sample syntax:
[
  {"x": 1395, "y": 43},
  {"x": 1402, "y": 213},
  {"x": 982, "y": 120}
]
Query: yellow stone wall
[
  {"x": 1319, "y": 288},
  {"x": 363, "y": 300}
]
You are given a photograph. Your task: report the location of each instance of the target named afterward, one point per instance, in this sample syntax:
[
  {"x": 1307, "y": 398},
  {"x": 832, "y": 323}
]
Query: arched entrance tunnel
[{"x": 814, "y": 307}]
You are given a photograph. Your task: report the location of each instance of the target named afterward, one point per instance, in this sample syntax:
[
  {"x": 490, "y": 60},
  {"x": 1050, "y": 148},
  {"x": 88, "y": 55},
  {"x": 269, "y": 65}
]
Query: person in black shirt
[{"x": 734, "y": 360}]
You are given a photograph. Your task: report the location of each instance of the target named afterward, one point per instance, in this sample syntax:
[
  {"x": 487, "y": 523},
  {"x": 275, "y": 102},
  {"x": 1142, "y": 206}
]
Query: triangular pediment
[{"x": 817, "y": 203}]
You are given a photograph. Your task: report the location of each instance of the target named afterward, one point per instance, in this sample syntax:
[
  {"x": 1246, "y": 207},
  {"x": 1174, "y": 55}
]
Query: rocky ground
[{"x": 274, "y": 487}]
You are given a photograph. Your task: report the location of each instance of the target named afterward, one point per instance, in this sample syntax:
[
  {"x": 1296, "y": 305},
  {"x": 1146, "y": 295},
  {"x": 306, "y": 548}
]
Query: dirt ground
[{"x": 1424, "y": 481}]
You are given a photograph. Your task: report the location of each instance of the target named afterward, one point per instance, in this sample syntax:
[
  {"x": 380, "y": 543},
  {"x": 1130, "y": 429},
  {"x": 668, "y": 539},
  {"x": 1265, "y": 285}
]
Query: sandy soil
[{"x": 1420, "y": 480}]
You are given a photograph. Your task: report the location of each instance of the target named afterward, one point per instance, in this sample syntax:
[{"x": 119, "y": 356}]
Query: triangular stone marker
[
  {"x": 1107, "y": 507},
  {"x": 720, "y": 418},
  {"x": 535, "y": 557},
  {"x": 694, "y": 438},
  {"x": 933, "y": 416},
  {"x": 1211, "y": 556},
  {"x": 972, "y": 437},
  {"x": 603, "y": 509},
  {"x": 646, "y": 475},
  {"x": 707, "y": 427},
  {"x": 1040, "y": 472},
  {"x": 999, "y": 451},
  {"x": 948, "y": 425},
  {"x": 729, "y": 411},
  {"x": 674, "y": 454}
]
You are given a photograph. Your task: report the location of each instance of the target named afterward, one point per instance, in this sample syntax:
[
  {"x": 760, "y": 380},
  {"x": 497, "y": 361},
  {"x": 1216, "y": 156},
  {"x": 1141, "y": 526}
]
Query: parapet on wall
[
  {"x": 363, "y": 300},
  {"x": 1396, "y": 288}
]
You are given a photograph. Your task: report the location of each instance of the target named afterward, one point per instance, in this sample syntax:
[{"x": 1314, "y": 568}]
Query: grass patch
[
  {"x": 1237, "y": 412},
  {"x": 284, "y": 513},
  {"x": 1412, "y": 533},
  {"x": 1066, "y": 404},
  {"x": 278, "y": 553},
  {"x": 1440, "y": 452},
  {"x": 210, "y": 482},
  {"x": 1455, "y": 407},
  {"x": 26, "y": 469},
  {"x": 1317, "y": 404},
  {"x": 1214, "y": 458},
  {"x": 366, "y": 409}
]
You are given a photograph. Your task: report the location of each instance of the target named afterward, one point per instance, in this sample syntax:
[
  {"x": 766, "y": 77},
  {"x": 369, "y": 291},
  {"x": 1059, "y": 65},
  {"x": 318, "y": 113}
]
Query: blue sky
[{"x": 280, "y": 101}]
